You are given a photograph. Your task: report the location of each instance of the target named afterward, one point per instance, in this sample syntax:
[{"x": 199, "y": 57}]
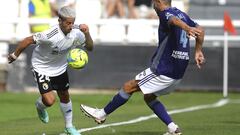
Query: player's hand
[
  {"x": 11, "y": 57},
  {"x": 84, "y": 28},
  {"x": 199, "y": 58},
  {"x": 193, "y": 32}
]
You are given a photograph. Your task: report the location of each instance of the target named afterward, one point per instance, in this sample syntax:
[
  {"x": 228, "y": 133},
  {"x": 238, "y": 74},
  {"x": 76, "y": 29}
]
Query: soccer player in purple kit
[{"x": 167, "y": 68}]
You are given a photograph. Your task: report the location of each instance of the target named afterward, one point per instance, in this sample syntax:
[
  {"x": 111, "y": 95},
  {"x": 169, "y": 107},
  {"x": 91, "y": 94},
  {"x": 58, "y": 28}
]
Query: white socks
[
  {"x": 172, "y": 127},
  {"x": 39, "y": 104},
  {"x": 65, "y": 108},
  {"x": 67, "y": 113}
]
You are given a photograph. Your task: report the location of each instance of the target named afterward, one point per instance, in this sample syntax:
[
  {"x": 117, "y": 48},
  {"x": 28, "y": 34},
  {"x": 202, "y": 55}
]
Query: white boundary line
[{"x": 220, "y": 103}]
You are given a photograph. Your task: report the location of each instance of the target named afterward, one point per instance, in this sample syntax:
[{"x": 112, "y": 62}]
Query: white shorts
[{"x": 151, "y": 83}]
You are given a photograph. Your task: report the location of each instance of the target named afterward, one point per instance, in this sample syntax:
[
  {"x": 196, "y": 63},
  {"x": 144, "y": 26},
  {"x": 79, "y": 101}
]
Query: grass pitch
[{"x": 18, "y": 115}]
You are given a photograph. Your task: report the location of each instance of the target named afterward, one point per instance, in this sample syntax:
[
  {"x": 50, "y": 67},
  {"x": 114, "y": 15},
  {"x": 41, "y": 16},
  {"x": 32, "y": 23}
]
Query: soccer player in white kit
[
  {"x": 49, "y": 63},
  {"x": 167, "y": 67}
]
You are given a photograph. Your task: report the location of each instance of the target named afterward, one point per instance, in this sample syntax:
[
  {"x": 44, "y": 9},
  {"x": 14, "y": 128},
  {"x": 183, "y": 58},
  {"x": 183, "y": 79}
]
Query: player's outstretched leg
[
  {"x": 99, "y": 115},
  {"x": 159, "y": 109},
  {"x": 42, "y": 113}
]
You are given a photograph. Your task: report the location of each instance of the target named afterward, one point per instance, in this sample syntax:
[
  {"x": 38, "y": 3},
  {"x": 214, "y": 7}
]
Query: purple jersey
[{"x": 172, "y": 55}]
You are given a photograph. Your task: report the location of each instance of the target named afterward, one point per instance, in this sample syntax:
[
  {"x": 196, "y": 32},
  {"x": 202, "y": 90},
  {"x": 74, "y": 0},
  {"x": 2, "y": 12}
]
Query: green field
[{"x": 18, "y": 115}]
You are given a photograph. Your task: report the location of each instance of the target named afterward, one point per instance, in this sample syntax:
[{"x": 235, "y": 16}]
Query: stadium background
[{"x": 123, "y": 47}]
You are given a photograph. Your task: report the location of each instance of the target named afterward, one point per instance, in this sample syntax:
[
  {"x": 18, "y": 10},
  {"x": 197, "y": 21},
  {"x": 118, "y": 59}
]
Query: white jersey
[{"x": 50, "y": 55}]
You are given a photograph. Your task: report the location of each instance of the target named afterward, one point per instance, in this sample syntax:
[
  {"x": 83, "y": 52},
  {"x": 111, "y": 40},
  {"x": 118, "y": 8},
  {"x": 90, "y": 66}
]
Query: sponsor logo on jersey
[{"x": 180, "y": 55}]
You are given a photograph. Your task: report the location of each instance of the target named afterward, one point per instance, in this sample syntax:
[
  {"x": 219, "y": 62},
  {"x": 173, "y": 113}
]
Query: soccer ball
[{"x": 77, "y": 58}]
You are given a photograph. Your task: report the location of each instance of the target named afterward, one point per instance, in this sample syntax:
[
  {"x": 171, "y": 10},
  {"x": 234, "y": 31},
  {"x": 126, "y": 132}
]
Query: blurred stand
[
  {"x": 3, "y": 66},
  {"x": 186, "y": 5},
  {"x": 115, "y": 9},
  {"x": 8, "y": 9},
  {"x": 183, "y": 5},
  {"x": 16, "y": 74},
  {"x": 141, "y": 9},
  {"x": 57, "y": 4},
  {"x": 11, "y": 7},
  {"x": 40, "y": 9}
]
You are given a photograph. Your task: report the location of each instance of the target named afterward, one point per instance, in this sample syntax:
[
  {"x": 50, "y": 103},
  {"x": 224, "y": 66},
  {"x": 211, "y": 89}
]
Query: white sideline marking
[
  {"x": 220, "y": 103},
  {"x": 235, "y": 101}
]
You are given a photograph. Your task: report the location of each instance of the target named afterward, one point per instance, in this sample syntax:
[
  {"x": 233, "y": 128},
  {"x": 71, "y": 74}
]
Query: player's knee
[
  {"x": 149, "y": 98},
  {"x": 127, "y": 86},
  {"x": 49, "y": 101},
  {"x": 130, "y": 86},
  {"x": 64, "y": 96}
]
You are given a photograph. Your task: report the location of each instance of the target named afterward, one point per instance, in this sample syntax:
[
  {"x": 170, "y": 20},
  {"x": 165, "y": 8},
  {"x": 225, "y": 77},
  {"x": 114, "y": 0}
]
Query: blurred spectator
[
  {"x": 39, "y": 9},
  {"x": 57, "y": 4},
  {"x": 131, "y": 9},
  {"x": 141, "y": 9},
  {"x": 115, "y": 8}
]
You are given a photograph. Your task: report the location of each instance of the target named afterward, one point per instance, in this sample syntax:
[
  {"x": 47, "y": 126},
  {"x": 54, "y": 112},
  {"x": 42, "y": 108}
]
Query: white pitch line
[
  {"x": 220, "y": 103},
  {"x": 235, "y": 101}
]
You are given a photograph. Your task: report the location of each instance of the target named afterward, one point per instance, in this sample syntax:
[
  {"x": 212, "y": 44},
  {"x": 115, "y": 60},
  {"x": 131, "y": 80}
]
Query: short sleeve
[
  {"x": 40, "y": 38},
  {"x": 81, "y": 38},
  {"x": 168, "y": 15},
  {"x": 165, "y": 17},
  {"x": 191, "y": 22}
]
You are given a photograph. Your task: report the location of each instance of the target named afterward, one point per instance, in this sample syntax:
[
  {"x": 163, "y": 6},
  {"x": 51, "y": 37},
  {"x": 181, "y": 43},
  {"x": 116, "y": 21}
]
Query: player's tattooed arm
[{"x": 20, "y": 47}]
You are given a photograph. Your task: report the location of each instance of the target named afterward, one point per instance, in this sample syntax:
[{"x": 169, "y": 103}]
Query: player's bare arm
[
  {"x": 21, "y": 46},
  {"x": 191, "y": 31},
  {"x": 199, "y": 57},
  {"x": 89, "y": 42}
]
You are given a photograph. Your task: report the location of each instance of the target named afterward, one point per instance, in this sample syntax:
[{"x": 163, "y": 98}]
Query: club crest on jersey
[
  {"x": 168, "y": 15},
  {"x": 45, "y": 86},
  {"x": 39, "y": 35},
  {"x": 55, "y": 50}
]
